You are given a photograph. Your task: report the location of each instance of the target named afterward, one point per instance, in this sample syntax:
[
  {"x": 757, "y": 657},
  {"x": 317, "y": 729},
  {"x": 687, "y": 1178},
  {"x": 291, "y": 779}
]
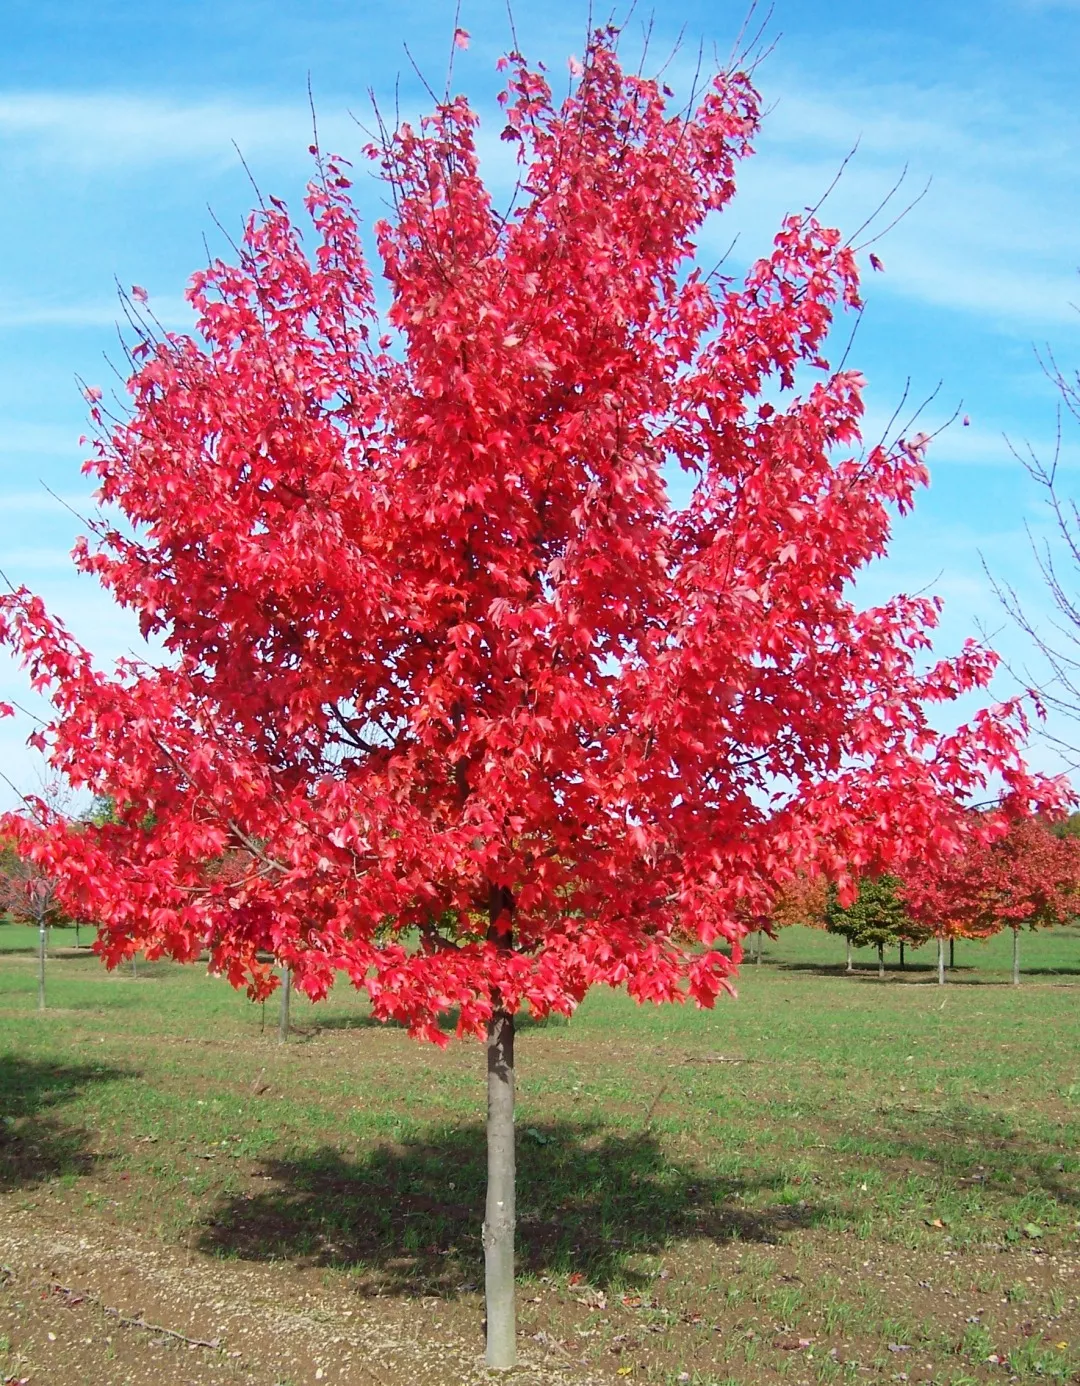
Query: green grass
[
  {"x": 23, "y": 938},
  {"x": 1042, "y": 953},
  {"x": 888, "y": 1172}
]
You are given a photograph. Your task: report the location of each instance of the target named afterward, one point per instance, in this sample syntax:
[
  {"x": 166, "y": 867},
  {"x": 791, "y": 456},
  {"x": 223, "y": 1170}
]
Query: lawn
[{"x": 831, "y": 1179}]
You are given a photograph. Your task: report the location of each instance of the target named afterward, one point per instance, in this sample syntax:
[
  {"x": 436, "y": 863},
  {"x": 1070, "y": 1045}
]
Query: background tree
[
  {"x": 496, "y": 717},
  {"x": 1068, "y": 826},
  {"x": 944, "y": 899},
  {"x": 286, "y": 1000},
  {"x": 801, "y": 901},
  {"x": 1025, "y": 877},
  {"x": 875, "y": 918},
  {"x": 28, "y": 896},
  {"x": 1057, "y": 553},
  {"x": 28, "y": 892},
  {"x": 912, "y": 933}
]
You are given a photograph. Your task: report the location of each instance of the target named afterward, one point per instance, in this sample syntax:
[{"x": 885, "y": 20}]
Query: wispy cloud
[
  {"x": 37, "y": 560},
  {"x": 115, "y": 131},
  {"x": 995, "y": 233},
  {"x": 172, "y": 312},
  {"x": 974, "y": 446}
]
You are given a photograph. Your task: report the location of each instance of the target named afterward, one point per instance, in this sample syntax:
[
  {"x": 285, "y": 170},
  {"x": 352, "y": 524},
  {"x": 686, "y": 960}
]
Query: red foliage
[
  {"x": 492, "y": 716},
  {"x": 1024, "y": 876},
  {"x": 27, "y": 894}
]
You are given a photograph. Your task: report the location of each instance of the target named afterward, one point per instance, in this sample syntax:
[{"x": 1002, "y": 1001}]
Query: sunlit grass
[{"x": 796, "y": 1165}]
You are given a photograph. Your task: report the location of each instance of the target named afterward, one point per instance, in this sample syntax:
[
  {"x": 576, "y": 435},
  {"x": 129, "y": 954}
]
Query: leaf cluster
[{"x": 877, "y": 917}]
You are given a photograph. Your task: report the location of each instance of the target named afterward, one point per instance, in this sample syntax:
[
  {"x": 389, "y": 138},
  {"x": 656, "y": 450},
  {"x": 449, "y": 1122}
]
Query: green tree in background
[{"x": 876, "y": 918}]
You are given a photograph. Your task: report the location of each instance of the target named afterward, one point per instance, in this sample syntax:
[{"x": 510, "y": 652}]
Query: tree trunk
[
  {"x": 952, "y": 953},
  {"x": 760, "y": 941},
  {"x": 901, "y": 954},
  {"x": 850, "y": 968},
  {"x": 77, "y": 943},
  {"x": 41, "y": 968},
  {"x": 499, "y": 1215},
  {"x": 881, "y": 960},
  {"x": 941, "y": 961},
  {"x": 286, "y": 991},
  {"x": 499, "y": 1212},
  {"x": 1016, "y": 957}
]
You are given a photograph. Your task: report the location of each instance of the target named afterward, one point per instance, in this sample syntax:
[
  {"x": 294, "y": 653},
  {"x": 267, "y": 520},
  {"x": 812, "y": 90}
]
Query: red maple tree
[
  {"x": 28, "y": 895},
  {"x": 1023, "y": 877},
  {"x": 493, "y": 717}
]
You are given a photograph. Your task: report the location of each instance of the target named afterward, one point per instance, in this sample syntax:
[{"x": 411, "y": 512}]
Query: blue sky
[{"x": 117, "y": 126}]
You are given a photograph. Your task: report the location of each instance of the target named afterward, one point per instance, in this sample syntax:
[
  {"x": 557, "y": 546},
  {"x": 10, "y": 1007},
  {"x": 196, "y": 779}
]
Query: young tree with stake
[
  {"x": 941, "y": 899},
  {"x": 494, "y": 719},
  {"x": 28, "y": 895}
]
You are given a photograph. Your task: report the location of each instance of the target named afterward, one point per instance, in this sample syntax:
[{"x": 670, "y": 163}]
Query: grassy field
[
  {"x": 17, "y": 938},
  {"x": 832, "y": 1179}
]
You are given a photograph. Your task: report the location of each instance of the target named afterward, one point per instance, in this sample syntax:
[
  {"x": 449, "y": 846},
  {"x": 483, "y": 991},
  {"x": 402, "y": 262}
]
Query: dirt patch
[{"x": 73, "y": 1300}]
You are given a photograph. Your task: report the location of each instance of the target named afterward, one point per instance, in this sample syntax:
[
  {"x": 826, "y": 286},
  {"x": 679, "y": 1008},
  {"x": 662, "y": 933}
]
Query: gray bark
[
  {"x": 850, "y": 968},
  {"x": 499, "y": 1213},
  {"x": 941, "y": 961},
  {"x": 1016, "y": 957},
  {"x": 286, "y": 992},
  {"x": 881, "y": 960},
  {"x": 41, "y": 966}
]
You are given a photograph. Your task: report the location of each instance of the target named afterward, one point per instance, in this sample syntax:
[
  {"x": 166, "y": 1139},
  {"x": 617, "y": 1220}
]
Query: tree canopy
[{"x": 489, "y": 715}]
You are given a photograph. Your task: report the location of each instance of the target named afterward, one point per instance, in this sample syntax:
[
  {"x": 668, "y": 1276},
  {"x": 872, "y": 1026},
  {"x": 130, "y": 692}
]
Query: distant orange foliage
[{"x": 802, "y": 902}]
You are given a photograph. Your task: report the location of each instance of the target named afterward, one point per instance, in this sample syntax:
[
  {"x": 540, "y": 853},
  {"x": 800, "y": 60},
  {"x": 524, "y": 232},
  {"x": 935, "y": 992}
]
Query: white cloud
[
  {"x": 995, "y": 234},
  {"x": 39, "y": 558},
  {"x": 114, "y": 131},
  {"x": 982, "y": 447},
  {"x": 171, "y": 312}
]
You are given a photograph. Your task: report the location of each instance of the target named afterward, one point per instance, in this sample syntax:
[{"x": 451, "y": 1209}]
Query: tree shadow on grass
[
  {"x": 35, "y": 1143},
  {"x": 57, "y": 952},
  {"x": 920, "y": 971},
  {"x": 972, "y": 1149},
  {"x": 863, "y": 971},
  {"x": 1047, "y": 972},
  {"x": 447, "y": 1022},
  {"x": 965, "y": 976},
  {"x": 407, "y": 1219}
]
